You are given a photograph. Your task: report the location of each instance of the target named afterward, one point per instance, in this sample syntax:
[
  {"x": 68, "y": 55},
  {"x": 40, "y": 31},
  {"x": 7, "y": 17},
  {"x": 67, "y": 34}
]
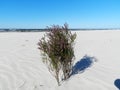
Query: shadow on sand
[
  {"x": 83, "y": 64},
  {"x": 117, "y": 83}
]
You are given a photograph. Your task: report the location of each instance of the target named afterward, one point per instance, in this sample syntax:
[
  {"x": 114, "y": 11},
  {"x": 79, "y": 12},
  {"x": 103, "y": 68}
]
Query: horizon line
[{"x": 68, "y": 28}]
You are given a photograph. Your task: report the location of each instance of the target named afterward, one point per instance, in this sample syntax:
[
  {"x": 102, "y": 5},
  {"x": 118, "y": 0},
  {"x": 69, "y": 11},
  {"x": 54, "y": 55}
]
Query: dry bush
[{"x": 57, "y": 50}]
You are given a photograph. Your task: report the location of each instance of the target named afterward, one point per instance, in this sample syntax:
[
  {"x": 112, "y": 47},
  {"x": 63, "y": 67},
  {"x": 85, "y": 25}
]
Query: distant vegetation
[
  {"x": 57, "y": 50},
  {"x": 26, "y": 30},
  {"x": 42, "y": 30},
  {"x": 22, "y": 30}
]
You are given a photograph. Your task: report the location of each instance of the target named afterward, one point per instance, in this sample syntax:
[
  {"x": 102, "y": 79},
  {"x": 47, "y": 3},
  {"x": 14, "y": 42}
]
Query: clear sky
[{"x": 77, "y": 13}]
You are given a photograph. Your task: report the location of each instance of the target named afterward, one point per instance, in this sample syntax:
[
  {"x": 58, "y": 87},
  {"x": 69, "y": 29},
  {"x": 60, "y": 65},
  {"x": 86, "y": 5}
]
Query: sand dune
[{"x": 21, "y": 67}]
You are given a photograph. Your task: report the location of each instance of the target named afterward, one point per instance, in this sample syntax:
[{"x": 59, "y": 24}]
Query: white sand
[{"x": 21, "y": 67}]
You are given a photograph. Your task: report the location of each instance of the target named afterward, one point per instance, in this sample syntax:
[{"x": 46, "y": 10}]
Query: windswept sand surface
[{"x": 21, "y": 67}]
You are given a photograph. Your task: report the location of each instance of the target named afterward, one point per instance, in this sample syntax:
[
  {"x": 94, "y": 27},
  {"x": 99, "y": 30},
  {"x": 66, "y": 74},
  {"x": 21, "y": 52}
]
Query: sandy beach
[{"x": 21, "y": 66}]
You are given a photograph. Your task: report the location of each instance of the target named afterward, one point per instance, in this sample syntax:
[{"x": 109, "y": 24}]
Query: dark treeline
[
  {"x": 42, "y": 30},
  {"x": 22, "y": 30}
]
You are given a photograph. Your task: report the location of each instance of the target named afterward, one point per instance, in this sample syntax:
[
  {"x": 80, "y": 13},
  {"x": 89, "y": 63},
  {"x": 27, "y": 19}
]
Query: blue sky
[{"x": 77, "y": 13}]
